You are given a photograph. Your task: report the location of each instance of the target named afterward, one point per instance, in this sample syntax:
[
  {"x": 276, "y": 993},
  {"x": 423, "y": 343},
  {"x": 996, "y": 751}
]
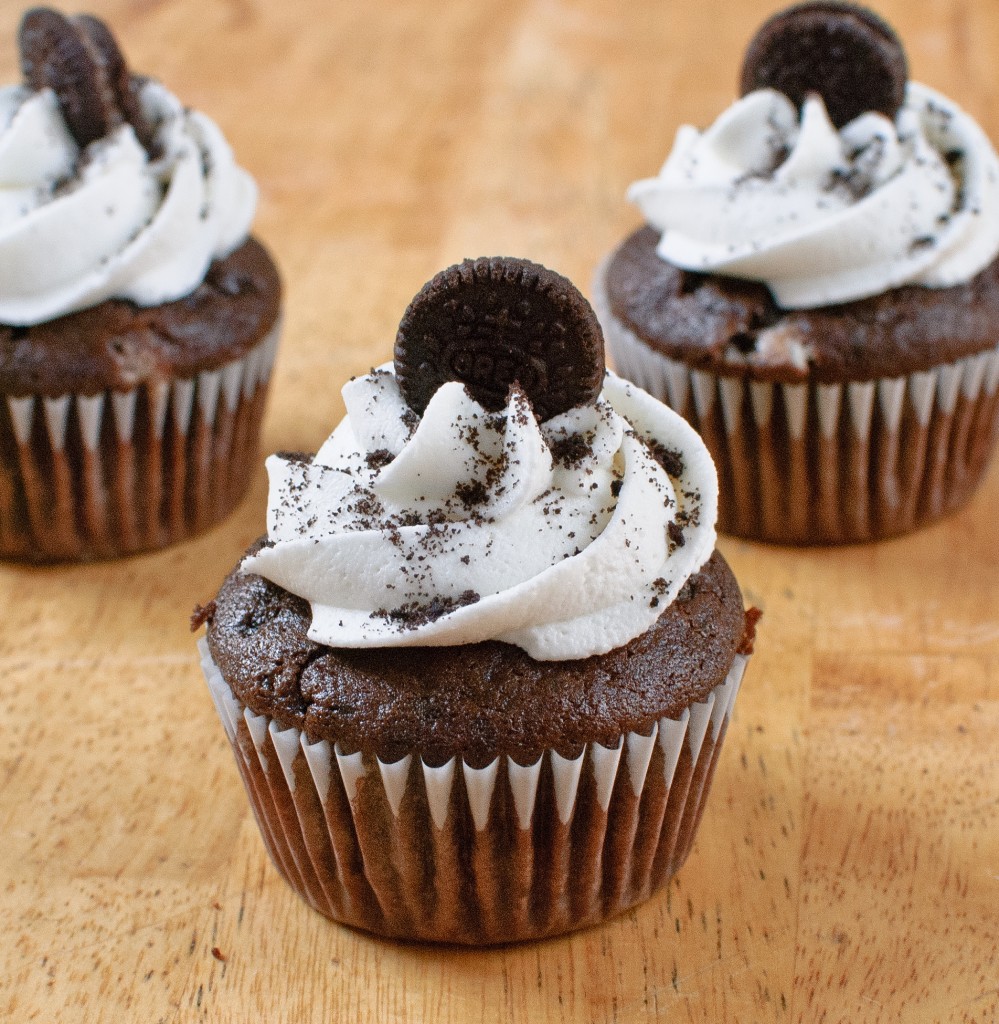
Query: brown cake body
[
  {"x": 344, "y": 754},
  {"x": 117, "y": 345},
  {"x": 125, "y": 428},
  {"x": 722, "y": 324},
  {"x": 479, "y": 700},
  {"x": 843, "y": 423}
]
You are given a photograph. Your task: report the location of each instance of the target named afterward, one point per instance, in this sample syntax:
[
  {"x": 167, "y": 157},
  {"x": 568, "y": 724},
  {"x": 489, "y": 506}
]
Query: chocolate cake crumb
[
  {"x": 201, "y": 615},
  {"x": 923, "y": 242},
  {"x": 660, "y": 586},
  {"x": 753, "y": 615},
  {"x": 410, "y": 420},
  {"x": 366, "y": 507}
]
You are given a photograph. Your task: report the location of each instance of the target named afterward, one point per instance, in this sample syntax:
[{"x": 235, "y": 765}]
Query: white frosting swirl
[
  {"x": 825, "y": 216},
  {"x": 566, "y": 538},
  {"x": 77, "y": 228}
]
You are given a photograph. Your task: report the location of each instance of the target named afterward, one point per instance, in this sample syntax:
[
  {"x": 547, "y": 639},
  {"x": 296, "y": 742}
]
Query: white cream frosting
[
  {"x": 566, "y": 538},
  {"x": 825, "y": 216},
  {"x": 78, "y": 227}
]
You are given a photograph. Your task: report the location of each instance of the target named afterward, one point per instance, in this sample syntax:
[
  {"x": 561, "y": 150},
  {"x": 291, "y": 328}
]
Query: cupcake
[
  {"x": 477, "y": 675},
  {"x": 816, "y": 288},
  {"x": 138, "y": 318}
]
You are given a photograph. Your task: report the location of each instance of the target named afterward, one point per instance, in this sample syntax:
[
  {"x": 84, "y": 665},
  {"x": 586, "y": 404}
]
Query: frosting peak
[
  {"x": 567, "y": 538},
  {"x": 78, "y": 226},
  {"x": 825, "y": 216}
]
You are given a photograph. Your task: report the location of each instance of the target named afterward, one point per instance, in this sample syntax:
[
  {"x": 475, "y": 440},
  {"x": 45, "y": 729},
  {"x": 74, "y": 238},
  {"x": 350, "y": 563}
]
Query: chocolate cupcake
[
  {"x": 817, "y": 288},
  {"x": 477, "y": 675},
  {"x": 138, "y": 319}
]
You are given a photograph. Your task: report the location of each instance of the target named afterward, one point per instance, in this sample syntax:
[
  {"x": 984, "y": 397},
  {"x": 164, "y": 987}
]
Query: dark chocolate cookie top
[
  {"x": 77, "y": 57},
  {"x": 842, "y": 51},
  {"x": 497, "y": 321}
]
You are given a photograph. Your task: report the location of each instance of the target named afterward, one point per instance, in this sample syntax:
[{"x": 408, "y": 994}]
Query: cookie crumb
[{"x": 201, "y": 615}]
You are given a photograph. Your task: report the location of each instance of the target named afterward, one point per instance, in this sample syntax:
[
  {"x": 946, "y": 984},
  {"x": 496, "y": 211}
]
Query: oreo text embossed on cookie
[{"x": 496, "y": 321}]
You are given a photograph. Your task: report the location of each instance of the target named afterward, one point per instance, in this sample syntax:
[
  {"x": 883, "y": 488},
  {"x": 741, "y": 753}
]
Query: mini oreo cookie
[
  {"x": 497, "y": 321},
  {"x": 104, "y": 48},
  {"x": 80, "y": 61},
  {"x": 842, "y": 51}
]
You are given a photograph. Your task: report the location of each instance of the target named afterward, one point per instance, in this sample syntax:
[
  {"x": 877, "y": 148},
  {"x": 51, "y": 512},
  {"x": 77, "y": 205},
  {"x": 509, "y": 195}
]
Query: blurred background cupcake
[
  {"x": 477, "y": 675},
  {"x": 138, "y": 318},
  {"x": 816, "y": 288}
]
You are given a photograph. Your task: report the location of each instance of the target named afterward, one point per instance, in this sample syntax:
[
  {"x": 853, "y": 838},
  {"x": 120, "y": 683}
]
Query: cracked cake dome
[
  {"x": 138, "y": 317},
  {"x": 477, "y": 673},
  {"x": 816, "y": 287}
]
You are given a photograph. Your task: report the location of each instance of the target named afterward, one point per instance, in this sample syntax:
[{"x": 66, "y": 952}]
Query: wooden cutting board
[{"x": 847, "y": 868}]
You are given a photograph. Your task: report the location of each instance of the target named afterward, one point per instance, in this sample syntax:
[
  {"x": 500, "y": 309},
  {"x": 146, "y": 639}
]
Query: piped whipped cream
[
  {"x": 81, "y": 226},
  {"x": 824, "y": 216},
  {"x": 567, "y": 538}
]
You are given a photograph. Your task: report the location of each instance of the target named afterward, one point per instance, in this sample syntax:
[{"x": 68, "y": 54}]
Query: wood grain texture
[{"x": 847, "y": 868}]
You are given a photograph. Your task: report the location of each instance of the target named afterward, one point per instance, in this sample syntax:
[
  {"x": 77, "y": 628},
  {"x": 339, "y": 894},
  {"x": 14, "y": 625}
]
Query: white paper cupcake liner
[
  {"x": 85, "y": 476},
  {"x": 453, "y": 853},
  {"x": 828, "y": 463}
]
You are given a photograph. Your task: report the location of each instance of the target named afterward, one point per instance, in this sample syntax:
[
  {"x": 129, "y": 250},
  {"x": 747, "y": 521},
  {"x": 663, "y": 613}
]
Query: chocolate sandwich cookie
[
  {"x": 79, "y": 60},
  {"x": 495, "y": 322},
  {"x": 842, "y": 51}
]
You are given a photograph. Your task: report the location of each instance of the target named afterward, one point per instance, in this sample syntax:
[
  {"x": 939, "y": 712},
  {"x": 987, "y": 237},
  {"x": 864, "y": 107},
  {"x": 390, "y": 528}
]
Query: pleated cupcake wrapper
[
  {"x": 829, "y": 463},
  {"x": 454, "y": 853},
  {"x": 95, "y": 475}
]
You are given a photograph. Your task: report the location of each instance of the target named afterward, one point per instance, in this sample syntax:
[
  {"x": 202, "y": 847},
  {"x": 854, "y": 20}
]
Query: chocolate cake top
[
  {"x": 480, "y": 700},
  {"x": 735, "y": 328},
  {"x": 118, "y": 345}
]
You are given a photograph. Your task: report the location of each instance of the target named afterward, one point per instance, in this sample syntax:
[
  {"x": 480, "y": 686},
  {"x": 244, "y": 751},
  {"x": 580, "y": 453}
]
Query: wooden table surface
[{"x": 847, "y": 868}]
